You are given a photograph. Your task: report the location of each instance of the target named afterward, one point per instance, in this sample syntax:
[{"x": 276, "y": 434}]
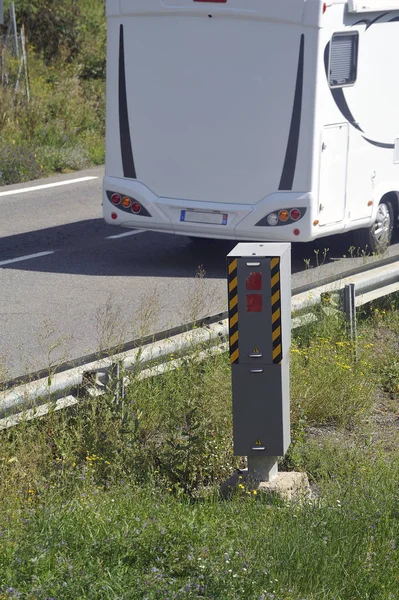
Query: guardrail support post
[
  {"x": 349, "y": 304},
  {"x": 117, "y": 382}
]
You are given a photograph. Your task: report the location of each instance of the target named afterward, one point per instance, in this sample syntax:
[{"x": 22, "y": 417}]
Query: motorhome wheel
[{"x": 377, "y": 237}]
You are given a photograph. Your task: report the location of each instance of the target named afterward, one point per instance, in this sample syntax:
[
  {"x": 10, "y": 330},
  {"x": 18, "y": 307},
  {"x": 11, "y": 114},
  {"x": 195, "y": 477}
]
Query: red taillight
[
  {"x": 114, "y": 216},
  {"x": 115, "y": 199},
  {"x": 136, "y": 207},
  {"x": 324, "y": 7},
  {"x": 295, "y": 214},
  {"x": 296, "y": 232}
]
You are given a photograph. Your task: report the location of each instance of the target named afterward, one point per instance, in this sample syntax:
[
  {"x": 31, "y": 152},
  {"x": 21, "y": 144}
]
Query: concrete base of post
[{"x": 288, "y": 486}]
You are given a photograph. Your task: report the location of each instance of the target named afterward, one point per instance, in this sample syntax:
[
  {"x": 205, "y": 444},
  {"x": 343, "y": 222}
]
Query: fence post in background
[
  {"x": 25, "y": 62},
  {"x": 4, "y": 76},
  {"x": 3, "y": 66},
  {"x": 21, "y": 65},
  {"x": 13, "y": 24},
  {"x": 349, "y": 305}
]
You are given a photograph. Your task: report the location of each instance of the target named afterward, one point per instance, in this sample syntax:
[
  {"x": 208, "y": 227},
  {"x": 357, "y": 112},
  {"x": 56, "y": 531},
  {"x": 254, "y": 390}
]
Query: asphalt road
[{"x": 70, "y": 284}]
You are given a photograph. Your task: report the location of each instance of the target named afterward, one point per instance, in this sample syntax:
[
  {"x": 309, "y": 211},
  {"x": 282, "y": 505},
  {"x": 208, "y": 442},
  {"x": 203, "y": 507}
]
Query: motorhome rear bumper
[{"x": 237, "y": 221}]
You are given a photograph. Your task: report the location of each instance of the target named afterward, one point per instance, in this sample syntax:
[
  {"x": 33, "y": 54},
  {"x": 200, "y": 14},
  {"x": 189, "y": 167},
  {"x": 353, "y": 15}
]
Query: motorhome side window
[{"x": 343, "y": 59}]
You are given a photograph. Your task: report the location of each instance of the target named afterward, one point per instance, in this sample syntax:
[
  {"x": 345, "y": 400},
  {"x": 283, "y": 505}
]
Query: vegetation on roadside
[
  {"x": 118, "y": 498},
  {"x": 62, "y": 127}
]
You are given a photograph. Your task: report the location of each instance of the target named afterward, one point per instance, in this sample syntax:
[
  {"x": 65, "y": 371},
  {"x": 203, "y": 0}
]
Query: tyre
[{"x": 377, "y": 237}]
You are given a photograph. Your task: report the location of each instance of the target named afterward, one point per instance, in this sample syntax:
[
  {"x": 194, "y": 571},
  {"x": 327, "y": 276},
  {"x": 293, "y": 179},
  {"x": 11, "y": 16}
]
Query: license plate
[{"x": 200, "y": 216}]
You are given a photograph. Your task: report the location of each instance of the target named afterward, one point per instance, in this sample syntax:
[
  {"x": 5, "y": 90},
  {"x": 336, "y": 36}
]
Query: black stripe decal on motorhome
[
  {"x": 291, "y": 155},
  {"x": 379, "y": 144},
  {"x": 124, "y": 128},
  {"x": 370, "y": 22},
  {"x": 339, "y": 98}
]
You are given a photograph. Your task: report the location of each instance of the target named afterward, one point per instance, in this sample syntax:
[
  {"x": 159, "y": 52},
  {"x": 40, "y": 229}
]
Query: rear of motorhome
[{"x": 270, "y": 120}]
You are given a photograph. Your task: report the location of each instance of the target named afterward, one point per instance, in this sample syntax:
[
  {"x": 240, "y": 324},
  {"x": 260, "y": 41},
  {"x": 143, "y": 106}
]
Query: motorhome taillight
[
  {"x": 115, "y": 199},
  {"x": 284, "y": 217},
  {"x": 126, "y": 202},
  {"x": 272, "y": 219},
  {"x": 136, "y": 207}
]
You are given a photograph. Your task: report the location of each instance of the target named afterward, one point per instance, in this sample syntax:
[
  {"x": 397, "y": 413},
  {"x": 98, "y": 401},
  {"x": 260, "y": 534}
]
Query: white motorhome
[{"x": 253, "y": 119}]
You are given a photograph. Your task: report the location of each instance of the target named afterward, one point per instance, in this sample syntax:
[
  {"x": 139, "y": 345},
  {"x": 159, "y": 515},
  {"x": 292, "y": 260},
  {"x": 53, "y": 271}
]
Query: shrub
[
  {"x": 17, "y": 164},
  {"x": 73, "y": 30},
  {"x": 329, "y": 386},
  {"x": 49, "y": 134},
  {"x": 62, "y": 128}
]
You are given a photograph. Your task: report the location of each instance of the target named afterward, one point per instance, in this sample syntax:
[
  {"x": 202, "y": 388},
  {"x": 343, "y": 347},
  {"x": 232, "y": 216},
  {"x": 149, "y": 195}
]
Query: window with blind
[{"x": 343, "y": 59}]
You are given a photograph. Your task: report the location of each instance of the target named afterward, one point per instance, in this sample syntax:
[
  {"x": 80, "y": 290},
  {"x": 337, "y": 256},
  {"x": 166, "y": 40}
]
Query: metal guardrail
[
  {"x": 62, "y": 389},
  {"x": 369, "y": 285}
]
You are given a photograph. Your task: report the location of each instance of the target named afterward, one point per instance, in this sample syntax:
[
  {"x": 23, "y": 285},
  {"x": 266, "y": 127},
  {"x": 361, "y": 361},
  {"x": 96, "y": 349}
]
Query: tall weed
[{"x": 329, "y": 385}]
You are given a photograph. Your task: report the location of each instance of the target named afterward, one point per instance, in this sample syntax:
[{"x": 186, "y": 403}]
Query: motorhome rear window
[{"x": 343, "y": 59}]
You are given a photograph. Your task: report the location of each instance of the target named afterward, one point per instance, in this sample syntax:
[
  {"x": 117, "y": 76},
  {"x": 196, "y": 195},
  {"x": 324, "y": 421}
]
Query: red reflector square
[
  {"x": 254, "y": 282},
  {"x": 254, "y": 302}
]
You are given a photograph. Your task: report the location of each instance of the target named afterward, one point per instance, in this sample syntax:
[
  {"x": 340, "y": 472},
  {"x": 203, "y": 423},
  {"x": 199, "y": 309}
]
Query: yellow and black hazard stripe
[
  {"x": 277, "y": 350},
  {"x": 233, "y": 309}
]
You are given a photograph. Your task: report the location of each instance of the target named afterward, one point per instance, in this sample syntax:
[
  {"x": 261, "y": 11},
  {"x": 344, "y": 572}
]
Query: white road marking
[
  {"x": 46, "y": 186},
  {"x": 27, "y": 257},
  {"x": 120, "y": 235}
]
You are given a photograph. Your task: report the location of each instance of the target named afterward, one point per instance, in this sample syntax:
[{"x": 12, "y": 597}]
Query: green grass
[
  {"x": 116, "y": 499},
  {"x": 133, "y": 542}
]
